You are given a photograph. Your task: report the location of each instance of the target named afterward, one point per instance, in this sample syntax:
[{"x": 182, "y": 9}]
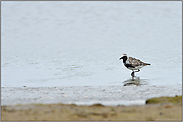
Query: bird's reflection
[{"x": 135, "y": 81}]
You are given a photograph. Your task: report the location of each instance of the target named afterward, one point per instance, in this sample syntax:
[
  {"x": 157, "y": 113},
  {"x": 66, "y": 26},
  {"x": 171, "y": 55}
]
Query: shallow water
[{"x": 54, "y": 44}]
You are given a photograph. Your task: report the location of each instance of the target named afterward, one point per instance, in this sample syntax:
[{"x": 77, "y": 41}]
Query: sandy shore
[
  {"x": 91, "y": 103},
  {"x": 166, "y": 111}
]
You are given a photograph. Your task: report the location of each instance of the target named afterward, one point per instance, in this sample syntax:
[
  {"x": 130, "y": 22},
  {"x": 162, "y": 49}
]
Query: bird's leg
[
  {"x": 133, "y": 74},
  {"x": 138, "y": 70}
]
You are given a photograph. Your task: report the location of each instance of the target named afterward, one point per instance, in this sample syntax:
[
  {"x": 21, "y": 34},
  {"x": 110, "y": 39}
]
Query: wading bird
[{"x": 133, "y": 64}]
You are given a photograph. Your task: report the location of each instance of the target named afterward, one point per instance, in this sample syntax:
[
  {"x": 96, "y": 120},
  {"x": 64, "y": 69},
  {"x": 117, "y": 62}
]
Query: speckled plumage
[{"x": 135, "y": 62}]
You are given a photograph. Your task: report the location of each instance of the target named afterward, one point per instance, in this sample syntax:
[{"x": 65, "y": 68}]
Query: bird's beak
[{"x": 120, "y": 58}]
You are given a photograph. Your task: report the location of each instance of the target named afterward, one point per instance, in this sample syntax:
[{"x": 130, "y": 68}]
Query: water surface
[{"x": 67, "y": 43}]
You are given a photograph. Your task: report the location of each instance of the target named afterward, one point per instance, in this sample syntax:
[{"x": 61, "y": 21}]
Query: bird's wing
[{"x": 135, "y": 62}]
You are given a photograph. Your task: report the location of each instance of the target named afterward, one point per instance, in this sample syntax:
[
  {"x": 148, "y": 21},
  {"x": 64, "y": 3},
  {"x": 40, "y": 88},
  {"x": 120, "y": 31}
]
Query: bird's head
[{"x": 123, "y": 56}]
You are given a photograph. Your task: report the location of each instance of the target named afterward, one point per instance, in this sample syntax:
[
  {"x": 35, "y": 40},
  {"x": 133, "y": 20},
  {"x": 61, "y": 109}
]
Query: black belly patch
[{"x": 129, "y": 66}]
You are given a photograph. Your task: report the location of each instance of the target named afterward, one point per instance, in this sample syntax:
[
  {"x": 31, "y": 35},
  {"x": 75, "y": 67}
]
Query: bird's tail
[{"x": 147, "y": 64}]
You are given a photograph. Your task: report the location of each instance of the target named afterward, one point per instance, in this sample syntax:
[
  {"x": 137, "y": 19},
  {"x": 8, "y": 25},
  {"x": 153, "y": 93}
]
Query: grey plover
[{"x": 133, "y": 64}]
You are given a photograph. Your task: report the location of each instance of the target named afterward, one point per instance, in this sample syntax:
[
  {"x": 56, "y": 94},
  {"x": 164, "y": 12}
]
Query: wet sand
[
  {"x": 166, "y": 111},
  {"x": 86, "y": 95}
]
